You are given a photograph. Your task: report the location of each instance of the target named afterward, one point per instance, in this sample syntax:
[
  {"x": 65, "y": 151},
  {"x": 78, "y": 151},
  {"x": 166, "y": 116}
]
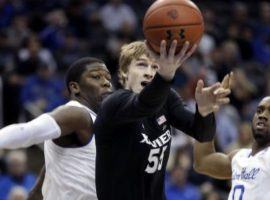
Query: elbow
[{"x": 198, "y": 168}]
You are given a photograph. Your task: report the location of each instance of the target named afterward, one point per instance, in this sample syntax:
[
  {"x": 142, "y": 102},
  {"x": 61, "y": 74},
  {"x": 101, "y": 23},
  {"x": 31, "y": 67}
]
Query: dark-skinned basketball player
[{"x": 69, "y": 144}]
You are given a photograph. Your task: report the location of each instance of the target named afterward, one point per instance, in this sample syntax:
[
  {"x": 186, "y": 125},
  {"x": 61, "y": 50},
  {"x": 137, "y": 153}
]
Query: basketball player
[
  {"x": 69, "y": 146},
  {"x": 247, "y": 168},
  {"x": 132, "y": 129}
]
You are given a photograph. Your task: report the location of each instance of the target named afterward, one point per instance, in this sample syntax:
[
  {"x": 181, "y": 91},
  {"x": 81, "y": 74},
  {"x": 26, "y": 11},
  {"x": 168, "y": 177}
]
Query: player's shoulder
[
  {"x": 174, "y": 98},
  {"x": 239, "y": 153},
  {"x": 174, "y": 94},
  {"x": 114, "y": 100},
  {"x": 117, "y": 96}
]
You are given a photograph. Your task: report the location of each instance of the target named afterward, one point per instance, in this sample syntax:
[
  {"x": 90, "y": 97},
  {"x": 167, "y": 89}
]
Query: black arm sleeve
[
  {"x": 201, "y": 128},
  {"x": 125, "y": 106}
]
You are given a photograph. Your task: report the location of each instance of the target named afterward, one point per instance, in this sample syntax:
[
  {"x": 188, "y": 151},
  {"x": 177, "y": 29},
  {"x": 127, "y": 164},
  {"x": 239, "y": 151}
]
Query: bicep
[
  {"x": 71, "y": 118},
  {"x": 217, "y": 165},
  {"x": 179, "y": 115},
  {"x": 209, "y": 162}
]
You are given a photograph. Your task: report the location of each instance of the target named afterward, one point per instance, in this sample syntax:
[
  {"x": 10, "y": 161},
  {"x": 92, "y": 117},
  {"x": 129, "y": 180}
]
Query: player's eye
[
  {"x": 142, "y": 64},
  {"x": 155, "y": 67},
  {"x": 109, "y": 78},
  {"x": 259, "y": 110},
  {"x": 97, "y": 77}
]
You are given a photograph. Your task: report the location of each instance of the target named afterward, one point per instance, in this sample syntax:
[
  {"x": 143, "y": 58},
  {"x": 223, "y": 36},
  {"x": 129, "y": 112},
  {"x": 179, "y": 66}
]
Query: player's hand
[
  {"x": 209, "y": 99},
  {"x": 170, "y": 62}
]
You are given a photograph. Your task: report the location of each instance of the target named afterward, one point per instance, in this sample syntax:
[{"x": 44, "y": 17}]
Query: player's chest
[
  {"x": 153, "y": 143},
  {"x": 251, "y": 169},
  {"x": 154, "y": 132}
]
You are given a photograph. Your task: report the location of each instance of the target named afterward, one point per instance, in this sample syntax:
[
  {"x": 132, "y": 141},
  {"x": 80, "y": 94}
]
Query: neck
[
  {"x": 257, "y": 147},
  {"x": 84, "y": 102}
]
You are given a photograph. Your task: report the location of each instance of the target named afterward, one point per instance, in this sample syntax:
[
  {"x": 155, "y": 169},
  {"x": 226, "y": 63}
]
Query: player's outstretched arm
[
  {"x": 209, "y": 99},
  {"x": 201, "y": 124},
  {"x": 209, "y": 162},
  {"x": 61, "y": 121},
  {"x": 35, "y": 193}
]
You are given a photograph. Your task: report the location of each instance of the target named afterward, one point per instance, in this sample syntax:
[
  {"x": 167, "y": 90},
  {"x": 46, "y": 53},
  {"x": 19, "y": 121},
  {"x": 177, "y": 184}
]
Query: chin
[{"x": 262, "y": 138}]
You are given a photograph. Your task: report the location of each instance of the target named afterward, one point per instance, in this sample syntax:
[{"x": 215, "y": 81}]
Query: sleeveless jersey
[
  {"x": 250, "y": 175},
  {"x": 70, "y": 172}
]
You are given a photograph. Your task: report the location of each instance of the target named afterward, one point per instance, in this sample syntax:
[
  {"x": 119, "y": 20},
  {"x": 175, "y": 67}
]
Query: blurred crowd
[{"x": 39, "y": 39}]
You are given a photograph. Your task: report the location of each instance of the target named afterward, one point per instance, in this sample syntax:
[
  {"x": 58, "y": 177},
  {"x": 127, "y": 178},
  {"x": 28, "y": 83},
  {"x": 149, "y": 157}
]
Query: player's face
[
  {"x": 95, "y": 83},
  {"x": 261, "y": 122},
  {"x": 140, "y": 73}
]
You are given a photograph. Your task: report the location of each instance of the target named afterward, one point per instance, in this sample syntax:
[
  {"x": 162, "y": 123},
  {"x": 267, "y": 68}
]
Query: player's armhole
[{"x": 232, "y": 154}]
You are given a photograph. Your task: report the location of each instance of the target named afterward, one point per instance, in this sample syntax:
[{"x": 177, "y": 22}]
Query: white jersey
[
  {"x": 70, "y": 172},
  {"x": 250, "y": 175}
]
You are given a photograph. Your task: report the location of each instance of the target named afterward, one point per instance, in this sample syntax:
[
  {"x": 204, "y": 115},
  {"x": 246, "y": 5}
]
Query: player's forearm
[
  {"x": 35, "y": 193},
  {"x": 204, "y": 128},
  {"x": 30, "y": 133},
  {"x": 209, "y": 162},
  {"x": 201, "y": 151}
]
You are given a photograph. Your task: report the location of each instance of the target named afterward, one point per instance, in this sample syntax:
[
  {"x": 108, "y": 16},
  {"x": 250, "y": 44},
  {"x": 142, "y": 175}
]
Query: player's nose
[
  {"x": 149, "y": 73},
  {"x": 106, "y": 83},
  {"x": 263, "y": 117}
]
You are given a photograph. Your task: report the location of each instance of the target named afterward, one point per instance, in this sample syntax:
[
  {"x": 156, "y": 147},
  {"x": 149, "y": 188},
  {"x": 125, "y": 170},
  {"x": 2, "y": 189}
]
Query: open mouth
[
  {"x": 260, "y": 125},
  {"x": 144, "y": 83}
]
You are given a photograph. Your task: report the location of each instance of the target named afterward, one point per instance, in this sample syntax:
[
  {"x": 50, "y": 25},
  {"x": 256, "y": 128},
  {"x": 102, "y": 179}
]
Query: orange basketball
[{"x": 170, "y": 20}]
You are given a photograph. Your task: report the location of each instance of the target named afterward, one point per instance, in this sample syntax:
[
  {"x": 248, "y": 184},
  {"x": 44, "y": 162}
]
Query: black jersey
[{"x": 133, "y": 137}]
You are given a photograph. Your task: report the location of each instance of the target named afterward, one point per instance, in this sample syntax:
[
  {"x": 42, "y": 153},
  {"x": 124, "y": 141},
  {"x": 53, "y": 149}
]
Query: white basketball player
[
  {"x": 69, "y": 146},
  {"x": 249, "y": 169}
]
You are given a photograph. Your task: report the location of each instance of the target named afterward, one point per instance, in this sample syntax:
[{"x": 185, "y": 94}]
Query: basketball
[{"x": 170, "y": 20}]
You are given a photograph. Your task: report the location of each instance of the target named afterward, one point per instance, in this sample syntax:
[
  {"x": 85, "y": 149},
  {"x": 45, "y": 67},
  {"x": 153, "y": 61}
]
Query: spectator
[
  {"x": 261, "y": 41},
  {"x": 17, "y": 174},
  {"x": 52, "y": 36},
  {"x": 31, "y": 55},
  {"x": 228, "y": 121},
  {"x": 177, "y": 186},
  {"x": 116, "y": 15},
  {"x": 42, "y": 92},
  {"x": 244, "y": 139},
  {"x": 17, "y": 193},
  {"x": 18, "y": 31}
]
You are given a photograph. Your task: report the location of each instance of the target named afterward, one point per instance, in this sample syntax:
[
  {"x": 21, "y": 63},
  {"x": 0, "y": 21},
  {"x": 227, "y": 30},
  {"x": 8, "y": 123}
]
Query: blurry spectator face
[
  {"x": 16, "y": 163},
  {"x": 245, "y": 135},
  {"x": 265, "y": 12},
  {"x": 216, "y": 56},
  {"x": 242, "y": 87},
  {"x": 57, "y": 18},
  {"x": 17, "y": 193},
  {"x": 240, "y": 12},
  {"x": 213, "y": 196},
  {"x": 20, "y": 22},
  {"x": 116, "y": 2},
  {"x": 44, "y": 72},
  {"x": 184, "y": 160},
  {"x": 33, "y": 46},
  {"x": 230, "y": 51},
  {"x": 233, "y": 31},
  {"x": 179, "y": 176}
]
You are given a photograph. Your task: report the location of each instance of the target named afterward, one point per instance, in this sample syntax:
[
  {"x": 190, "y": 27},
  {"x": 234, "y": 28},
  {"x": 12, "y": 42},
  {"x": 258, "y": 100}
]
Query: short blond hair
[{"x": 129, "y": 52}]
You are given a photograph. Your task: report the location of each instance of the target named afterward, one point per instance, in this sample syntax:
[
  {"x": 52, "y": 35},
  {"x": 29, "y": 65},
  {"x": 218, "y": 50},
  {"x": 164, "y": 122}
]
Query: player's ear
[
  {"x": 74, "y": 88},
  {"x": 122, "y": 77}
]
